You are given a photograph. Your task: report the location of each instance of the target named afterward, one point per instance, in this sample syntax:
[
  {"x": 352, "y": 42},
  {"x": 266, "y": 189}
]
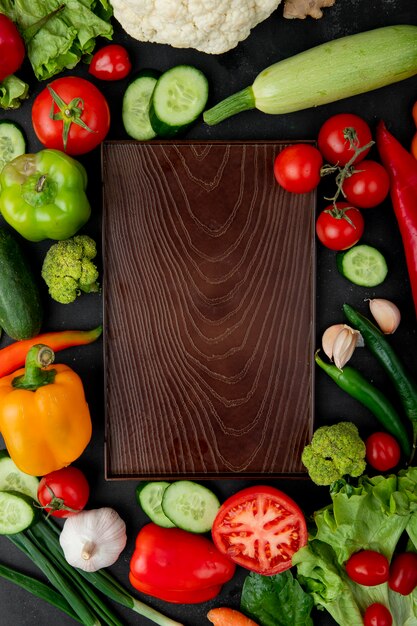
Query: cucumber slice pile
[
  {"x": 12, "y": 142},
  {"x": 16, "y": 512},
  {"x": 183, "y": 504},
  {"x": 13, "y": 479},
  {"x": 164, "y": 105},
  {"x": 363, "y": 265}
]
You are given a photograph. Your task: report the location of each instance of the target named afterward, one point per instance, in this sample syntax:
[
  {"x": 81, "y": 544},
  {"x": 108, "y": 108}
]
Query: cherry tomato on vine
[
  {"x": 64, "y": 492},
  {"x": 368, "y": 186},
  {"x": 340, "y": 228},
  {"x": 335, "y": 145},
  {"x": 403, "y": 573},
  {"x": 368, "y": 568},
  {"x": 260, "y": 528},
  {"x": 383, "y": 451},
  {"x": 80, "y": 117},
  {"x": 110, "y": 63},
  {"x": 297, "y": 168},
  {"x": 377, "y": 615},
  {"x": 12, "y": 48}
]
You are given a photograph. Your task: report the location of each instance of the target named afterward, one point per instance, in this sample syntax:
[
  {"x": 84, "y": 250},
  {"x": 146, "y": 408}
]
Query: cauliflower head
[
  {"x": 68, "y": 268},
  {"x": 212, "y": 27},
  {"x": 335, "y": 451}
]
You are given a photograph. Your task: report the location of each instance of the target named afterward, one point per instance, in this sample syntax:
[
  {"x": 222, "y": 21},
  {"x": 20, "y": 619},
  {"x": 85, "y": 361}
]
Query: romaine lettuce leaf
[{"x": 12, "y": 92}]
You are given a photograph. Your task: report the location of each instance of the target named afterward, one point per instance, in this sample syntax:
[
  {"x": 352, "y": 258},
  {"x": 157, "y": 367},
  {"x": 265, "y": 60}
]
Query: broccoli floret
[
  {"x": 335, "y": 451},
  {"x": 68, "y": 268}
]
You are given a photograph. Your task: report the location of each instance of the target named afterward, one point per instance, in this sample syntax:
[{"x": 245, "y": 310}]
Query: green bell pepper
[{"x": 42, "y": 195}]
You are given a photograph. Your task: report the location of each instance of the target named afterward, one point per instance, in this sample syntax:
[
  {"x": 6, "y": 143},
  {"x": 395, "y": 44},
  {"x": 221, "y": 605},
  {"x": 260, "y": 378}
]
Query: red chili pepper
[
  {"x": 178, "y": 566},
  {"x": 13, "y": 356},
  {"x": 402, "y": 168}
]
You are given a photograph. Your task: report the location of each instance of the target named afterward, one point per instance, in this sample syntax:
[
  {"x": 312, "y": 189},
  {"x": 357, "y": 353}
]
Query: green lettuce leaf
[
  {"x": 372, "y": 515},
  {"x": 276, "y": 600},
  {"x": 58, "y": 33},
  {"x": 12, "y": 92}
]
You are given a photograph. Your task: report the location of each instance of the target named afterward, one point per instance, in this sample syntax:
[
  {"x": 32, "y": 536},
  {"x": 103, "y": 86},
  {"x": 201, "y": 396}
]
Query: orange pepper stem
[{"x": 38, "y": 357}]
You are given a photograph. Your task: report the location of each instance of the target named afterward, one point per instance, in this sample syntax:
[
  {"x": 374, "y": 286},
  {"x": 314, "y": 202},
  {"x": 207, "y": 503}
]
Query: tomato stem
[{"x": 69, "y": 113}]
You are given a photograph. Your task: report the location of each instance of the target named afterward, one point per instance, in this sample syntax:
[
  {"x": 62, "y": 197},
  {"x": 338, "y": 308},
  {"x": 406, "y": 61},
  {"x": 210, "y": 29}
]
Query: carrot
[
  {"x": 13, "y": 356},
  {"x": 223, "y": 616}
]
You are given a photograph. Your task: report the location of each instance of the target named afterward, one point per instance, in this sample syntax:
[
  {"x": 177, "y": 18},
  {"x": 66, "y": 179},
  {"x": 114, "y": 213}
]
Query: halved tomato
[{"x": 260, "y": 528}]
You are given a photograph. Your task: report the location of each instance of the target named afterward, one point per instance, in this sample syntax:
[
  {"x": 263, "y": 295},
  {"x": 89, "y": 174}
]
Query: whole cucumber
[
  {"x": 20, "y": 302},
  {"x": 338, "y": 69}
]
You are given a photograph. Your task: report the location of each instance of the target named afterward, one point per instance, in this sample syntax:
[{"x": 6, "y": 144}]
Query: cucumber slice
[
  {"x": 12, "y": 142},
  {"x": 136, "y": 102},
  {"x": 13, "y": 479},
  {"x": 190, "y": 506},
  {"x": 179, "y": 98},
  {"x": 149, "y": 497},
  {"x": 363, "y": 265},
  {"x": 16, "y": 512}
]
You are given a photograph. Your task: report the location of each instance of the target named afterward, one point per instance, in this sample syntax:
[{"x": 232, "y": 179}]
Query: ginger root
[{"x": 302, "y": 8}]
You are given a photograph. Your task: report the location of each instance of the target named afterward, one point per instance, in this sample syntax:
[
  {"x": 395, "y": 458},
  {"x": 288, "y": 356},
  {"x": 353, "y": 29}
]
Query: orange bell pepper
[{"x": 44, "y": 417}]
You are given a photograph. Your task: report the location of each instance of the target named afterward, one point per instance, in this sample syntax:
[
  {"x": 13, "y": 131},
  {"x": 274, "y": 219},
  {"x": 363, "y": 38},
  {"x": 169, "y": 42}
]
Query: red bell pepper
[
  {"x": 177, "y": 566},
  {"x": 402, "y": 168}
]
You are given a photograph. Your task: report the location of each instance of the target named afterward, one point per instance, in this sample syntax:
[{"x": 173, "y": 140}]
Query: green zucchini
[
  {"x": 20, "y": 302},
  {"x": 338, "y": 69}
]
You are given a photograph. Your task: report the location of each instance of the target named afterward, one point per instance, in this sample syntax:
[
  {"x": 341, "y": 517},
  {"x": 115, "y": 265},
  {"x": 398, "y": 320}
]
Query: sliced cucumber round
[
  {"x": 136, "y": 103},
  {"x": 16, "y": 512},
  {"x": 12, "y": 142},
  {"x": 13, "y": 479},
  {"x": 363, "y": 265},
  {"x": 179, "y": 98},
  {"x": 190, "y": 506},
  {"x": 149, "y": 496}
]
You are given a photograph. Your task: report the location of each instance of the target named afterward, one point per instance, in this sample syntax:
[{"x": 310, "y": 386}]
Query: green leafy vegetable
[
  {"x": 373, "y": 515},
  {"x": 58, "y": 33},
  {"x": 12, "y": 92},
  {"x": 276, "y": 600}
]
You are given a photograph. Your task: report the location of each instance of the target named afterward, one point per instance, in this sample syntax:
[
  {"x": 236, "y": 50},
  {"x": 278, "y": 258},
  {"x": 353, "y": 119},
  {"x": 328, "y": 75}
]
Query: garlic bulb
[
  {"x": 339, "y": 342},
  {"x": 93, "y": 539},
  {"x": 386, "y": 314}
]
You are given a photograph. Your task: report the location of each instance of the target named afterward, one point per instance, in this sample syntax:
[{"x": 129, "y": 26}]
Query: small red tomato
[
  {"x": 297, "y": 168},
  {"x": 339, "y": 136},
  {"x": 368, "y": 186},
  {"x": 403, "y": 573},
  {"x": 382, "y": 451},
  {"x": 368, "y": 568},
  {"x": 12, "y": 48},
  {"x": 340, "y": 227},
  {"x": 64, "y": 492},
  {"x": 377, "y": 615},
  {"x": 110, "y": 63}
]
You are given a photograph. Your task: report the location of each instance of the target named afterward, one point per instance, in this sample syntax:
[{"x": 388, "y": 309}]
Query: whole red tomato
[
  {"x": 368, "y": 568},
  {"x": 64, "y": 492},
  {"x": 377, "y": 615},
  {"x": 340, "y": 227},
  {"x": 178, "y": 566},
  {"x": 72, "y": 115},
  {"x": 340, "y": 135},
  {"x": 368, "y": 186},
  {"x": 403, "y": 573},
  {"x": 110, "y": 63},
  {"x": 260, "y": 528},
  {"x": 12, "y": 48},
  {"x": 382, "y": 451},
  {"x": 297, "y": 168}
]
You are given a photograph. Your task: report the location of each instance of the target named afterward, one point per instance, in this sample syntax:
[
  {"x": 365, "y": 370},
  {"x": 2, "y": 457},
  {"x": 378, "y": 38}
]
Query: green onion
[{"x": 38, "y": 589}]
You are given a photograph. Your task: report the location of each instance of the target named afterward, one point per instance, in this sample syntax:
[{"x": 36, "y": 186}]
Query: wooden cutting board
[{"x": 209, "y": 293}]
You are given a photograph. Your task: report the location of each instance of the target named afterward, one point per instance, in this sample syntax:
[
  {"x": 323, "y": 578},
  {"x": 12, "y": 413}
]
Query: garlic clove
[
  {"x": 386, "y": 314},
  {"x": 328, "y": 338},
  {"x": 344, "y": 346}
]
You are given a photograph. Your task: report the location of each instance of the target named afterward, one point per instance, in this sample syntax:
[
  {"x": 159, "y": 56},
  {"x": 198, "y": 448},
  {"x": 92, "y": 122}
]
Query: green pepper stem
[{"x": 38, "y": 357}]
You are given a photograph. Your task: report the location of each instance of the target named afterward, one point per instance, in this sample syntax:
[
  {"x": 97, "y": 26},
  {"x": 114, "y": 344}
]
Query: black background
[{"x": 271, "y": 41}]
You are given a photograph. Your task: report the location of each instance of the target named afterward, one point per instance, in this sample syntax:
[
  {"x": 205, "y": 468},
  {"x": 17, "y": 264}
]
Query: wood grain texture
[{"x": 209, "y": 314}]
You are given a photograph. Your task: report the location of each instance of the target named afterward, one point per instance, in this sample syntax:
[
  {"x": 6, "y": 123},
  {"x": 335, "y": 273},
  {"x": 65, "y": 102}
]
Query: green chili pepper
[
  {"x": 403, "y": 382},
  {"x": 356, "y": 385},
  {"x": 43, "y": 195}
]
